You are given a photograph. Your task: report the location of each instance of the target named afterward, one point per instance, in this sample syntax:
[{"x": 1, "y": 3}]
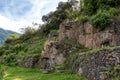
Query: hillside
[
  {"x": 4, "y": 34},
  {"x": 74, "y": 43}
]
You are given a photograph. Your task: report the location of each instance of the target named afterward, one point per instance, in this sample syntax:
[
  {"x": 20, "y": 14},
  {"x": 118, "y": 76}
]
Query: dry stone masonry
[{"x": 101, "y": 65}]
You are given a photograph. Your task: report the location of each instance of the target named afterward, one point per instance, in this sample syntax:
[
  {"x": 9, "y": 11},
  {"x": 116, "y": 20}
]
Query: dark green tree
[
  {"x": 92, "y": 6},
  {"x": 53, "y": 19}
]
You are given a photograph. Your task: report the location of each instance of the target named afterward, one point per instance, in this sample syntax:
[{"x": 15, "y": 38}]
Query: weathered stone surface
[
  {"x": 52, "y": 55},
  {"x": 93, "y": 65},
  {"x": 29, "y": 62},
  {"x": 96, "y": 66},
  {"x": 90, "y": 37}
]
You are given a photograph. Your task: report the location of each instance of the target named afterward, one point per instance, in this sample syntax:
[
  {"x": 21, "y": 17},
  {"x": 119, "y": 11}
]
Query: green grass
[
  {"x": 1, "y": 75},
  {"x": 99, "y": 49},
  {"x": 18, "y": 73}
]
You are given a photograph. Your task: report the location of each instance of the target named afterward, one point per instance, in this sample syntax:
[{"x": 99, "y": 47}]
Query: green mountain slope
[{"x": 4, "y": 34}]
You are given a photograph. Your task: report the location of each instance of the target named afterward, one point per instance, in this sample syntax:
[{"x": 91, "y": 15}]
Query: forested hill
[{"x": 4, "y": 34}]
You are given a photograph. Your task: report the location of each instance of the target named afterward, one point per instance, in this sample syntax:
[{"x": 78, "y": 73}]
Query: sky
[{"x": 17, "y": 14}]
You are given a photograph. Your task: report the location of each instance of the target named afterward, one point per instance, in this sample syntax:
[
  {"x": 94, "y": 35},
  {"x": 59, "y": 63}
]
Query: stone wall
[
  {"x": 29, "y": 61},
  {"x": 100, "y": 65}
]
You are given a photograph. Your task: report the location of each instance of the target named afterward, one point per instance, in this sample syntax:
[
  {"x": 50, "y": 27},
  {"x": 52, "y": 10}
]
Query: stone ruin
[
  {"x": 51, "y": 55},
  {"x": 90, "y": 37},
  {"x": 56, "y": 52}
]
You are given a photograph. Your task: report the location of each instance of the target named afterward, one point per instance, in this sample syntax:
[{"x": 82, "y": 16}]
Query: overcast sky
[{"x": 16, "y": 14}]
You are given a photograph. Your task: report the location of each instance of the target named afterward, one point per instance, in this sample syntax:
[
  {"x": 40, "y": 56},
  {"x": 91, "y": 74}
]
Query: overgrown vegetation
[
  {"x": 111, "y": 72},
  {"x": 54, "y": 19},
  {"x": 100, "y": 20},
  {"x": 82, "y": 19},
  {"x": 1, "y": 72},
  {"x": 90, "y": 7},
  {"x": 31, "y": 42},
  {"x": 17, "y": 73},
  {"x": 100, "y": 12}
]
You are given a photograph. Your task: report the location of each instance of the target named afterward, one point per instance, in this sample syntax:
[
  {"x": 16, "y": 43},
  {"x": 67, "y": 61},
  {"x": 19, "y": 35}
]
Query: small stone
[
  {"x": 45, "y": 71},
  {"x": 80, "y": 71}
]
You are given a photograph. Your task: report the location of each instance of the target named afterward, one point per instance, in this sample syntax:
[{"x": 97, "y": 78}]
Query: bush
[
  {"x": 9, "y": 60},
  {"x": 1, "y": 73},
  {"x": 90, "y": 7},
  {"x": 101, "y": 20},
  {"x": 82, "y": 19},
  {"x": 27, "y": 33},
  {"x": 5, "y": 50},
  {"x": 112, "y": 11},
  {"x": 11, "y": 38},
  {"x": 19, "y": 47}
]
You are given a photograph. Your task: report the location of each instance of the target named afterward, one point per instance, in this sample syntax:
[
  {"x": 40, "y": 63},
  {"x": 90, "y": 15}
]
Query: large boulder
[{"x": 52, "y": 55}]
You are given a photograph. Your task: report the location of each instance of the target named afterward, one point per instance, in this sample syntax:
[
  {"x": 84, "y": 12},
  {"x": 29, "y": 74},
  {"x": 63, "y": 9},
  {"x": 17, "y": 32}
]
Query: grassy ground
[{"x": 18, "y": 73}]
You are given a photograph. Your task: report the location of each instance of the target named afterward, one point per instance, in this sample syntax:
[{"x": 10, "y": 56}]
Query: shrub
[
  {"x": 9, "y": 60},
  {"x": 5, "y": 49},
  {"x": 11, "y": 38},
  {"x": 82, "y": 19},
  {"x": 112, "y": 11},
  {"x": 27, "y": 33},
  {"x": 100, "y": 20},
  {"x": 19, "y": 47},
  {"x": 90, "y": 7},
  {"x": 1, "y": 73}
]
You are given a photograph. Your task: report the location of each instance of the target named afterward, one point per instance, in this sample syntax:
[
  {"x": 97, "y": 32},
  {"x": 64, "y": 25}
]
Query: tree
[
  {"x": 92, "y": 6},
  {"x": 64, "y": 5},
  {"x": 53, "y": 19}
]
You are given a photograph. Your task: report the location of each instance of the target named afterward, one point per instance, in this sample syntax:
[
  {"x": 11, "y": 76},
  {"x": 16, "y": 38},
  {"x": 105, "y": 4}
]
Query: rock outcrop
[
  {"x": 29, "y": 62},
  {"x": 52, "y": 55},
  {"x": 90, "y": 37},
  {"x": 100, "y": 65}
]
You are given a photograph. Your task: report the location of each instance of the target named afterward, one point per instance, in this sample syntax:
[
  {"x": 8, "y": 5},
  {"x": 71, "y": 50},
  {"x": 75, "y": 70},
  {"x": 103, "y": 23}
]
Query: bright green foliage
[
  {"x": 82, "y": 19},
  {"x": 4, "y": 50},
  {"x": 1, "y": 72},
  {"x": 12, "y": 52},
  {"x": 17, "y": 73},
  {"x": 100, "y": 20},
  {"x": 35, "y": 48},
  {"x": 112, "y": 12},
  {"x": 11, "y": 38},
  {"x": 9, "y": 59}
]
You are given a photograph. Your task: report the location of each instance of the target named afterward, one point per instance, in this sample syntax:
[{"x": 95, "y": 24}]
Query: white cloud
[
  {"x": 9, "y": 24},
  {"x": 40, "y": 7}
]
